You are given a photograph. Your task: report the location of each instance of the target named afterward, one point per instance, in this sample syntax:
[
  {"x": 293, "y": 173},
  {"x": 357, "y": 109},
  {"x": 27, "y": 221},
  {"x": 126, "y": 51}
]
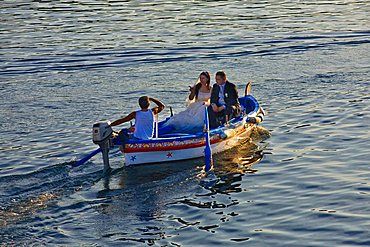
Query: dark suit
[{"x": 231, "y": 102}]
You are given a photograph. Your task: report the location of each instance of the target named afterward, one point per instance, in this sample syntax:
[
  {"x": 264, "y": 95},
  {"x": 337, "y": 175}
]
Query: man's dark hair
[
  {"x": 221, "y": 74},
  {"x": 144, "y": 102}
]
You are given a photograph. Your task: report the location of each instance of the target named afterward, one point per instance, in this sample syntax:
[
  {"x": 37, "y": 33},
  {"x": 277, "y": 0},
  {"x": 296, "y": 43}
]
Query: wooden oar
[{"x": 207, "y": 149}]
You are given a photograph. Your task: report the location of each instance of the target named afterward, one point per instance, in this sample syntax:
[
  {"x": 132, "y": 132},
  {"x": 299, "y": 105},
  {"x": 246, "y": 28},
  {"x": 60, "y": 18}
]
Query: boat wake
[{"x": 32, "y": 192}]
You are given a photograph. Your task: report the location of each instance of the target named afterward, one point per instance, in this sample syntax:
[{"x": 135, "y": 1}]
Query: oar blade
[{"x": 207, "y": 149}]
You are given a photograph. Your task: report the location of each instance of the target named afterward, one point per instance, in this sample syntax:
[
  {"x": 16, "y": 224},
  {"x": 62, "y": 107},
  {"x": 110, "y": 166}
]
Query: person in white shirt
[{"x": 144, "y": 119}]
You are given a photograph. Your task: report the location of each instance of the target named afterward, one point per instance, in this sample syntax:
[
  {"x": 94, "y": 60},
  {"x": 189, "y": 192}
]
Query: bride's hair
[{"x": 198, "y": 85}]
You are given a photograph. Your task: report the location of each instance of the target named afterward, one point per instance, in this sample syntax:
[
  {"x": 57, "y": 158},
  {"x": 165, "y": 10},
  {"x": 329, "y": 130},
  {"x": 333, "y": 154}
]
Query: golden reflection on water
[
  {"x": 25, "y": 208},
  {"x": 230, "y": 166},
  {"x": 241, "y": 158}
]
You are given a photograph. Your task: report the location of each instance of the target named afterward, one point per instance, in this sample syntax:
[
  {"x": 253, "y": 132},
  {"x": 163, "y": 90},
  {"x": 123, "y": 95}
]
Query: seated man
[
  {"x": 224, "y": 101},
  {"x": 144, "y": 119}
]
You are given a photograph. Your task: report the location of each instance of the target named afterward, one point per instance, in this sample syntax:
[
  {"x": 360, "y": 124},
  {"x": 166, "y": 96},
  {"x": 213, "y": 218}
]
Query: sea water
[{"x": 67, "y": 64}]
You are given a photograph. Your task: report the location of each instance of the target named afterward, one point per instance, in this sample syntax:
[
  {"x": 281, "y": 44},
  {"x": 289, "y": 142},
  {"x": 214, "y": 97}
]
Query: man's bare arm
[
  {"x": 129, "y": 117},
  {"x": 159, "y": 108}
]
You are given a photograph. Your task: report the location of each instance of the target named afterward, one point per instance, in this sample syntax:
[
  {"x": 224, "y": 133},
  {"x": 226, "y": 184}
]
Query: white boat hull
[{"x": 137, "y": 158}]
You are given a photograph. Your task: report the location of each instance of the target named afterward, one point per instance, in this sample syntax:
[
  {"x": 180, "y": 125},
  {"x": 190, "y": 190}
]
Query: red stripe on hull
[{"x": 178, "y": 147}]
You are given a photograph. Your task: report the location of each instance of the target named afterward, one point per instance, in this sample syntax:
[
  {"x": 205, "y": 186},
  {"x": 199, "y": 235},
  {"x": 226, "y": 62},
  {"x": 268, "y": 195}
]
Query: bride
[{"x": 192, "y": 119}]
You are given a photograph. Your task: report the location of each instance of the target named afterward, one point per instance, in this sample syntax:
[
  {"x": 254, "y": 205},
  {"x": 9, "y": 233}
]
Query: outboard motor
[{"x": 102, "y": 135}]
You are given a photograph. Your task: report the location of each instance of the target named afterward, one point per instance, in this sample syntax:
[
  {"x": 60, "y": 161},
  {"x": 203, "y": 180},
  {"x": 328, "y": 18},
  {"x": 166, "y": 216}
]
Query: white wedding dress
[{"x": 191, "y": 119}]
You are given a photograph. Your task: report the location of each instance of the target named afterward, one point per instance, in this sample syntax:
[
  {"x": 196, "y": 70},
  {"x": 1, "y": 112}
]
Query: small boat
[{"x": 167, "y": 146}]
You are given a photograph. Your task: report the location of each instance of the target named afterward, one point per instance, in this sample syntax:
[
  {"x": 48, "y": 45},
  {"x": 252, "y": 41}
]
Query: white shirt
[
  {"x": 221, "y": 95},
  {"x": 144, "y": 125}
]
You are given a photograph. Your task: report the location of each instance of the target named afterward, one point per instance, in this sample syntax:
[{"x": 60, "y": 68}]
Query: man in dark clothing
[{"x": 224, "y": 101}]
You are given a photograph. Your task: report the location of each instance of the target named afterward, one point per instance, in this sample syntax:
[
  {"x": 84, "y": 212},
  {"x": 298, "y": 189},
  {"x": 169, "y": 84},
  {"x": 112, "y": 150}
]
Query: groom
[{"x": 224, "y": 101}]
